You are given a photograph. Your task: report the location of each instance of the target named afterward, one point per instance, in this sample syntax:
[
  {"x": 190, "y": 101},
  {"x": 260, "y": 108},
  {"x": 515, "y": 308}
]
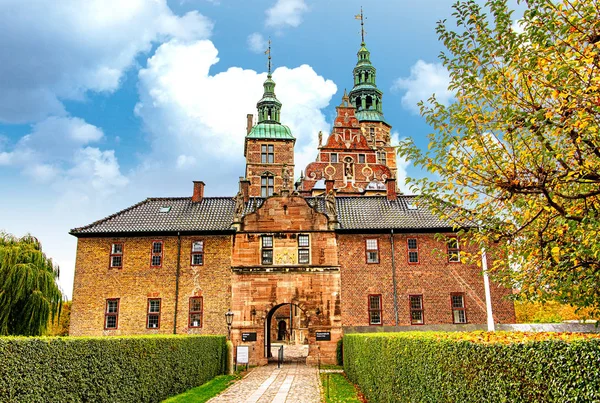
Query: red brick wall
[
  {"x": 434, "y": 278},
  {"x": 316, "y": 294},
  {"x": 283, "y": 154},
  {"x": 137, "y": 281}
]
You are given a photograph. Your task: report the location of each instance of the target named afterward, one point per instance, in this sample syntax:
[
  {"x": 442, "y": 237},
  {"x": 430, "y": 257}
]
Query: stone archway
[{"x": 291, "y": 319}]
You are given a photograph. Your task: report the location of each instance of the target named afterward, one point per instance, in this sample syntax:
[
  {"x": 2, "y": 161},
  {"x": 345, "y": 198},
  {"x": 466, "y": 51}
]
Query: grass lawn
[
  {"x": 204, "y": 392},
  {"x": 340, "y": 389}
]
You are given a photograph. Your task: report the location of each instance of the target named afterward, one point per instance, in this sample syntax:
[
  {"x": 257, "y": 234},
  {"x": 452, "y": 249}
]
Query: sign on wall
[
  {"x": 323, "y": 336},
  {"x": 251, "y": 336}
]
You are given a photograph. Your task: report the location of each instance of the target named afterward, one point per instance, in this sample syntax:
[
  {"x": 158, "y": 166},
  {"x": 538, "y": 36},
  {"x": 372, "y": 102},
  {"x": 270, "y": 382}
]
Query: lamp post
[{"x": 229, "y": 320}]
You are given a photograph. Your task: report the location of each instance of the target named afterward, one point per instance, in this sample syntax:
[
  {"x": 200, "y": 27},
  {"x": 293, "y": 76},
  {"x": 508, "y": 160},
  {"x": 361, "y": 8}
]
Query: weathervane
[
  {"x": 362, "y": 18},
  {"x": 268, "y": 52}
]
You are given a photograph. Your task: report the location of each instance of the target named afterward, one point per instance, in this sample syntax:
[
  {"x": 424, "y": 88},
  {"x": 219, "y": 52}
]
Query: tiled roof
[
  {"x": 210, "y": 214},
  {"x": 377, "y": 212},
  {"x": 216, "y": 214}
]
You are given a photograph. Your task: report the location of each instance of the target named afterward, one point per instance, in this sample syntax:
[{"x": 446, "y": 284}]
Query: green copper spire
[
  {"x": 269, "y": 107},
  {"x": 269, "y": 112},
  {"x": 365, "y": 95}
]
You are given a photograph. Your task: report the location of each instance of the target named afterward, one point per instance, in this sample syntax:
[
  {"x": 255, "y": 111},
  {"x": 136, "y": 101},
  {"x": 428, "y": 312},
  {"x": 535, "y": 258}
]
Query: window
[
  {"x": 459, "y": 314},
  {"x": 372, "y": 251},
  {"x": 153, "y": 318},
  {"x": 267, "y": 249},
  {"x": 372, "y": 132},
  {"x": 416, "y": 310},
  {"x": 374, "y": 309},
  {"x": 381, "y": 157},
  {"x": 197, "y": 253},
  {"x": 303, "y": 249},
  {"x": 116, "y": 255},
  {"x": 195, "y": 312},
  {"x": 453, "y": 250},
  {"x": 267, "y": 156},
  {"x": 266, "y": 186},
  {"x": 334, "y": 157},
  {"x": 111, "y": 314},
  {"x": 361, "y": 158},
  {"x": 413, "y": 250},
  {"x": 157, "y": 254}
]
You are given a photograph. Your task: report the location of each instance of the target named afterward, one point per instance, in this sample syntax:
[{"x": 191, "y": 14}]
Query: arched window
[{"x": 369, "y": 102}]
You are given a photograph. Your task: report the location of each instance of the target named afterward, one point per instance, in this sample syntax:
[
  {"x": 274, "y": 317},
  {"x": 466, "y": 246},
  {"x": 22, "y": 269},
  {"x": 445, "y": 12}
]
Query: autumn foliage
[{"x": 518, "y": 150}]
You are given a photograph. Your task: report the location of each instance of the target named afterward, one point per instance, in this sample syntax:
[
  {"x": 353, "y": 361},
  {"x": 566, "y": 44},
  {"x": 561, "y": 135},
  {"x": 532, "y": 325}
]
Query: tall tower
[
  {"x": 367, "y": 99},
  {"x": 269, "y": 146}
]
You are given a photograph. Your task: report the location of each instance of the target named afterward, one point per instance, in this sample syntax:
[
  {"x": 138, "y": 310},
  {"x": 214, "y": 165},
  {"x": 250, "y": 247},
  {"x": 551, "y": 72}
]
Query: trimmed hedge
[
  {"x": 109, "y": 369},
  {"x": 435, "y": 367},
  {"x": 339, "y": 352}
]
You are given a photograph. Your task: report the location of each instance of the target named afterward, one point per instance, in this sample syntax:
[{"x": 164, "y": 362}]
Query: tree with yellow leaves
[{"x": 518, "y": 150}]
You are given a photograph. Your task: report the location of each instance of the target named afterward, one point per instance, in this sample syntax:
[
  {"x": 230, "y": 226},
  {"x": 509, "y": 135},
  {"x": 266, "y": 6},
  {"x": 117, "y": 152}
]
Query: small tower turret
[{"x": 269, "y": 145}]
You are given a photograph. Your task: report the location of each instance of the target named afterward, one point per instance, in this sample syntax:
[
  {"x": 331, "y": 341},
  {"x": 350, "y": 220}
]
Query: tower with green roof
[
  {"x": 365, "y": 95},
  {"x": 367, "y": 99},
  {"x": 269, "y": 145}
]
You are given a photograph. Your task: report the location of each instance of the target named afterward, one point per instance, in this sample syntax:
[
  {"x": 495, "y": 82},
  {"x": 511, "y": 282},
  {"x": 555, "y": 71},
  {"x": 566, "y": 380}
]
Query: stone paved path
[{"x": 292, "y": 383}]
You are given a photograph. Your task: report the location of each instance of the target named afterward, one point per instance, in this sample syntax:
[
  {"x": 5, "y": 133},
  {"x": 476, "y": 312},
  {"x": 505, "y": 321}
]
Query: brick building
[{"x": 295, "y": 262}]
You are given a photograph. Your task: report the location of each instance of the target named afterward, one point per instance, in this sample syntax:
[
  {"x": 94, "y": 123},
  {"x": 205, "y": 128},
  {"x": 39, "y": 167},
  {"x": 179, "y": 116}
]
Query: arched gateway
[{"x": 285, "y": 257}]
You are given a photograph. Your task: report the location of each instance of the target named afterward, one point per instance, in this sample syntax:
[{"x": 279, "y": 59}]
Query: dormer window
[{"x": 267, "y": 154}]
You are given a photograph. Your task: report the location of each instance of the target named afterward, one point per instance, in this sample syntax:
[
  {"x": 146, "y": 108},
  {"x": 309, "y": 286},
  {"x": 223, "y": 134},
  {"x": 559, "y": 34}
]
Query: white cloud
[
  {"x": 286, "y": 13},
  {"x": 96, "y": 169},
  {"x": 188, "y": 111},
  {"x": 185, "y": 161},
  {"x": 257, "y": 43},
  {"x": 518, "y": 26},
  {"x": 79, "y": 46},
  {"x": 425, "y": 79},
  {"x": 5, "y": 158},
  {"x": 54, "y": 153}
]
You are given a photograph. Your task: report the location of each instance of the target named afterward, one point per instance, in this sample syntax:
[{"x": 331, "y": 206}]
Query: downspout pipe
[
  {"x": 177, "y": 274},
  {"x": 394, "y": 276}
]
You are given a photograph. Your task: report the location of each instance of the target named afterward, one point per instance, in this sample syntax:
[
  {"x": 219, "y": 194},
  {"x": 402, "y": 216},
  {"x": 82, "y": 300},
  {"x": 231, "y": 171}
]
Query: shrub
[
  {"x": 339, "y": 352},
  {"x": 110, "y": 369},
  {"x": 474, "y": 367}
]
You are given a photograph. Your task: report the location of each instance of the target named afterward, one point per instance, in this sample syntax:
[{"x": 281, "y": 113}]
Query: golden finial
[
  {"x": 268, "y": 52},
  {"x": 362, "y": 18}
]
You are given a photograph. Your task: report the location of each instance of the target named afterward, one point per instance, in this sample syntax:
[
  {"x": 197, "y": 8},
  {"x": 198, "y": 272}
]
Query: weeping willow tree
[{"x": 29, "y": 294}]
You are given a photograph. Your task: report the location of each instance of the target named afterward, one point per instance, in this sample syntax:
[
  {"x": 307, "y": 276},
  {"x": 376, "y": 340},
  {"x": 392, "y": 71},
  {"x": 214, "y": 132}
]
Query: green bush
[
  {"x": 339, "y": 352},
  {"x": 429, "y": 367},
  {"x": 109, "y": 369}
]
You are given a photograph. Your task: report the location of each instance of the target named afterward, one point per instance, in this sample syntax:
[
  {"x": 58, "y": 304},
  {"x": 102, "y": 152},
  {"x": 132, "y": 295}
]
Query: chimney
[
  {"x": 245, "y": 188},
  {"x": 391, "y": 189},
  {"x": 328, "y": 185},
  {"x": 198, "y": 191},
  {"x": 249, "y": 122}
]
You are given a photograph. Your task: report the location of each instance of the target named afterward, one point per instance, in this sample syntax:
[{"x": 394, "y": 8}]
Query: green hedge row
[
  {"x": 109, "y": 369},
  {"x": 422, "y": 367}
]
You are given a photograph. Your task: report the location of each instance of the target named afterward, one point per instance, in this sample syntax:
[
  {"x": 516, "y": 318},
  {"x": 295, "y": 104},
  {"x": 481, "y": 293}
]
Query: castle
[{"x": 295, "y": 262}]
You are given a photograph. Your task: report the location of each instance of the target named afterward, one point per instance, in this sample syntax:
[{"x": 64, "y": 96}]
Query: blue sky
[{"x": 106, "y": 102}]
